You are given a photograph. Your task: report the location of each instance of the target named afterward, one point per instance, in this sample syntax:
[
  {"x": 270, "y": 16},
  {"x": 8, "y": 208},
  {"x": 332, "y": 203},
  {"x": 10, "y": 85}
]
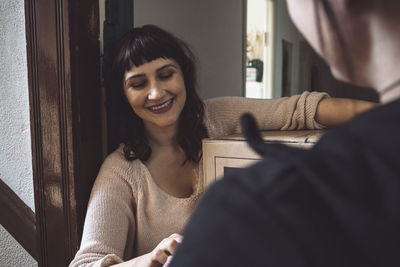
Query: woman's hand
[
  {"x": 333, "y": 111},
  {"x": 160, "y": 256}
]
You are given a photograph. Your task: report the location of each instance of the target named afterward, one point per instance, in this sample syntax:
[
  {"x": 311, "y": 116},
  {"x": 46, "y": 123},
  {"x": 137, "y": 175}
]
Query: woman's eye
[
  {"x": 137, "y": 85},
  {"x": 165, "y": 76}
]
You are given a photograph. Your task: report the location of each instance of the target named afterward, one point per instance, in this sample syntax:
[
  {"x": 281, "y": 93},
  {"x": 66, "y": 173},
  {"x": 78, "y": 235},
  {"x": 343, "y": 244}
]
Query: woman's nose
[{"x": 156, "y": 92}]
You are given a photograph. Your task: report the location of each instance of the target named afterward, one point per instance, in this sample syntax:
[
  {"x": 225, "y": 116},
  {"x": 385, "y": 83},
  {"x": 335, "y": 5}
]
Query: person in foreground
[
  {"x": 337, "y": 204},
  {"x": 148, "y": 188}
]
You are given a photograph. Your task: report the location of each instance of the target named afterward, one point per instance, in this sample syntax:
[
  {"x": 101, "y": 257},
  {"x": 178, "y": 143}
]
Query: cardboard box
[{"x": 227, "y": 153}]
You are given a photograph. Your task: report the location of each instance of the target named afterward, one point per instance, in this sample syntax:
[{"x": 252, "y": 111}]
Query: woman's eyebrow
[
  {"x": 133, "y": 76},
  {"x": 166, "y": 66}
]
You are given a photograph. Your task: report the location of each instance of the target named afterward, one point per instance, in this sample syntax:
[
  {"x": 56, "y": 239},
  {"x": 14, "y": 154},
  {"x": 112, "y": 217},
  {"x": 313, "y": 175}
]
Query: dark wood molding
[
  {"x": 64, "y": 88},
  {"x": 244, "y": 46},
  {"x": 119, "y": 20},
  {"x": 18, "y": 219}
]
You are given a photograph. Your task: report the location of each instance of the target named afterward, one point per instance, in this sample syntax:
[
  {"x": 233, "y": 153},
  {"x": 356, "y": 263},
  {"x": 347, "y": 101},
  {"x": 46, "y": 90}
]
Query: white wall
[
  {"x": 214, "y": 28},
  {"x": 15, "y": 143},
  {"x": 256, "y": 15}
]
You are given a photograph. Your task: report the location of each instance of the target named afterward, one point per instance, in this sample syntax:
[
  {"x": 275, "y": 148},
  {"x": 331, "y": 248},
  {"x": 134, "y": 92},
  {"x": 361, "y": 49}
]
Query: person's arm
[
  {"x": 110, "y": 224},
  {"x": 222, "y": 114},
  {"x": 109, "y": 221},
  {"x": 310, "y": 110},
  {"x": 333, "y": 111}
]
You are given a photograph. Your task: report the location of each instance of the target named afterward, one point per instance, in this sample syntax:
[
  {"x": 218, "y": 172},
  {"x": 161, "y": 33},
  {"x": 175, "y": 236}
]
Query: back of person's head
[
  {"x": 142, "y": 45},
  {"x": 345, "y": 34}
]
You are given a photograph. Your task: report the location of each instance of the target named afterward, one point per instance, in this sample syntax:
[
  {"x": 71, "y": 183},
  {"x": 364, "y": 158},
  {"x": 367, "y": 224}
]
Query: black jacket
[{"x": 337, "y": 204}]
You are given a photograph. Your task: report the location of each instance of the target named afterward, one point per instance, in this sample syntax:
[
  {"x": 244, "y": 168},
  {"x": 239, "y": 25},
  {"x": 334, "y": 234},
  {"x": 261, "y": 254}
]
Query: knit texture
[{"x": 128, "y": 214}]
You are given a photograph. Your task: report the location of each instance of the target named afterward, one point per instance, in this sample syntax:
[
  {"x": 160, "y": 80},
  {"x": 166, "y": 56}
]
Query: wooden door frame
[{"x": 64, "y": 90}]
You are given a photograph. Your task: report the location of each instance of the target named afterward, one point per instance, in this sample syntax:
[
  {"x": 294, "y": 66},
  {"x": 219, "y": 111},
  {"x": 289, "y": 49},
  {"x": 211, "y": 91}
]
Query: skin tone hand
[
  {"x": 333, "y": 111},
  {"x": 160, "y": 256}
]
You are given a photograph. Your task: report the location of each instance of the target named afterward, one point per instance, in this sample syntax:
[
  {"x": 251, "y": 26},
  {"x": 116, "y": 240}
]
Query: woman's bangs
[{"x": 147, "y": 50}]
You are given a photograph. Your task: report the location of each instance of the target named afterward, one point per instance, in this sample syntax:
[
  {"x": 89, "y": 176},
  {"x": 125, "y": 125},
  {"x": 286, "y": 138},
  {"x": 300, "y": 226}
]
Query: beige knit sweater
[{"x": 128, "y": 214}]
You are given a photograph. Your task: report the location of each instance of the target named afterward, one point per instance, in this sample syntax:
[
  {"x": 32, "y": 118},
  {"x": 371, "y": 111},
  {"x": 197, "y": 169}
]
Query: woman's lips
[{"x": 164, "y": 107}]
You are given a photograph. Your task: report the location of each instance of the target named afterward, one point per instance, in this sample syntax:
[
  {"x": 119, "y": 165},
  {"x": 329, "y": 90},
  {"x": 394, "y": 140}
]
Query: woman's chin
[{"x": 164, "y": 123}]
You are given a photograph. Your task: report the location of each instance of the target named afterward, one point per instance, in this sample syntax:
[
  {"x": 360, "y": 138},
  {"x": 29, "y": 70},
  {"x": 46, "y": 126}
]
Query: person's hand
[{"x": 161, "y": 255}]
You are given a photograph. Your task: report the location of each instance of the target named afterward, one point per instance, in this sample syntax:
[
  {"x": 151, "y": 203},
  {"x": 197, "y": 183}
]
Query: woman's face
[{"x": 156, "y": 92}]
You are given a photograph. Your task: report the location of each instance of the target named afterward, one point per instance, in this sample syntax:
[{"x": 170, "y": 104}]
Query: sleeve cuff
[{"x": 313, "y": 100}]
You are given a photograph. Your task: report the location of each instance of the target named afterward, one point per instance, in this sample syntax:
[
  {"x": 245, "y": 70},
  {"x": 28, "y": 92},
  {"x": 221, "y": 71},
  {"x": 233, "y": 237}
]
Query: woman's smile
[{"x": 163, "y": 107}]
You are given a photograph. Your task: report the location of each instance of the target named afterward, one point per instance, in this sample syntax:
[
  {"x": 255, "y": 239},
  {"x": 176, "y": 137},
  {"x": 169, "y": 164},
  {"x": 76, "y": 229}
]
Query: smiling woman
[
  {"x": 144, "y": 59},
  {"x": 148, "y": 188}
]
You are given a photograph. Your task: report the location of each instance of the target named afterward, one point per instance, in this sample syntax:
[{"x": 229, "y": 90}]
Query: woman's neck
[{"x": 161, "y": 136}]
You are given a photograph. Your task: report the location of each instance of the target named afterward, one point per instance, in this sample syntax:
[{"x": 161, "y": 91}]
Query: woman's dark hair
[{"x": 139, "y": 46}]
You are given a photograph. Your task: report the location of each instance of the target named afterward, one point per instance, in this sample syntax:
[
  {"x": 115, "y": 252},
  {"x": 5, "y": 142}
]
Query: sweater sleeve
[
  {"x": 287, "y": 113},
  {"x": 109, "y": 225}
]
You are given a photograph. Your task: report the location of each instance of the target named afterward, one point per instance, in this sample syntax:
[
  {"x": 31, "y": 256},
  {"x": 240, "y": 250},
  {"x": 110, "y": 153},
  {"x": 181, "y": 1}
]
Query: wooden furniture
[{"x": 227, "y": 153}]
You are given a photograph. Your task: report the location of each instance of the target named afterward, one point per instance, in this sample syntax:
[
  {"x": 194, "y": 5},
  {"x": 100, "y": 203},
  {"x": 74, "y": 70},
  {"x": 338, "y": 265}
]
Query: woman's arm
[
  {"x": 310, "y": 110},
  {"x": 287, "y": 113},
  {"x": 333, "y": 111},
  {"x": 110, "y": 222},
  {"x": 109, "y": 230}
]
